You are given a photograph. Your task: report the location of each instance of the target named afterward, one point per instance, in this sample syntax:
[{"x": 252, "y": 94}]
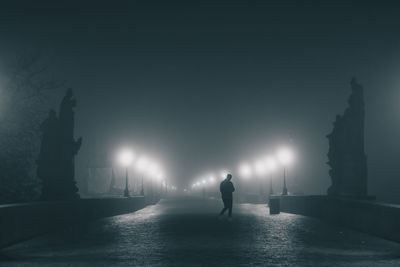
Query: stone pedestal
[{"x": 274, "y": 205}]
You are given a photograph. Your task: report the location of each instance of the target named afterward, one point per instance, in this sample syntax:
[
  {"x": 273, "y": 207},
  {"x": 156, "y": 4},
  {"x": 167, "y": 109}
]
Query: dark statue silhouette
[
  {"x": 56, "y": 164},
  {"x": 48, "y": 161},
  {"x": 346, "y": 155}
]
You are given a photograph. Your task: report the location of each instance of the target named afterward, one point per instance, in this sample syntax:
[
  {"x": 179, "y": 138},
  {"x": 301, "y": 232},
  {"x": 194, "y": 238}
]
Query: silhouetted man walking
[{"x": 226, "y": 187}]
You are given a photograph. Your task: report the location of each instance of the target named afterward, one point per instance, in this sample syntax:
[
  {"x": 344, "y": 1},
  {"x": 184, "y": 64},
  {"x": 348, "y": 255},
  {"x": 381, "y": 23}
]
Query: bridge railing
[
  {"x": 19, "y": 222},
  {"x": 371, "y": 217}
]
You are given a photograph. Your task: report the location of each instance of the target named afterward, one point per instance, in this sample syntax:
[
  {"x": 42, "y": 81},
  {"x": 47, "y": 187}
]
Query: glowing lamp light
[
  {"x": 126, "y": 157},
  {"x": 211, "y": 179},
  {"x": 260, "y": 167},
  {"x": 160, "y": 176},
  {"x": 223, "y": 174},
  {"x": 153, "y": 169},
  {"x": 245, "y": 170},
  {"x": 270, "y": 163},
  {"x": 285, "y": 156},
  {"x": 142, "y": 164}
]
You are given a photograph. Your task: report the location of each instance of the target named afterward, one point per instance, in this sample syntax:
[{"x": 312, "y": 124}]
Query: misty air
[{"x": 199, "y": 133}]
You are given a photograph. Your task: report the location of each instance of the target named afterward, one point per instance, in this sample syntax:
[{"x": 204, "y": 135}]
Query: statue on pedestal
[
  {"x": 56, "y": 166},
  {"x": 48, "y": 160},
  {"x": 346, "y": 156}
]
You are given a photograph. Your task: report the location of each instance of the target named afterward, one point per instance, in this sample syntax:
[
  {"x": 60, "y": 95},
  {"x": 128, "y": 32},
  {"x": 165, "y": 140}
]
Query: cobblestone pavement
[{"x": 187, "y": 232}]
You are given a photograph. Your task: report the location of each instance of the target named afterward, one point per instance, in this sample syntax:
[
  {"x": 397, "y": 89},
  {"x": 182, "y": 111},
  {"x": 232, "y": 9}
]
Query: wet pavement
[{"x": 187, "y": 232}]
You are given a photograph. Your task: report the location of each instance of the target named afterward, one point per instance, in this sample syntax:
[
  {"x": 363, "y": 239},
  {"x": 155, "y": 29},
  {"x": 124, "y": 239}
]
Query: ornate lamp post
[
  {"x": 245, "y": 171},
  {"x": 284, "y": 190},
  {"x": 126, "y": 191},
  {"x": 141, "y": 166},
  {"x": 271, "y": 166},
  {"x": 285, "y": 157},
  {"x": 203, "y": 182},
  {"x": 142, "y": 188},
  {"x": 126, "y": 158},
  {"x": 260, "y": 169}
]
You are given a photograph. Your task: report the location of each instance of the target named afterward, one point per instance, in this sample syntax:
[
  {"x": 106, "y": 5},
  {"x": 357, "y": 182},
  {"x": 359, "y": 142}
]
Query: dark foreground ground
[{"x": 186, "y": 232}]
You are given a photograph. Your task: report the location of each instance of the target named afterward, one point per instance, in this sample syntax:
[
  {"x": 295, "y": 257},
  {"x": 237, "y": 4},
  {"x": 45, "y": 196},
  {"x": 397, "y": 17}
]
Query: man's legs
[
  {"x": 225, "y": 206},
  {"x": 230, "y": 206}
]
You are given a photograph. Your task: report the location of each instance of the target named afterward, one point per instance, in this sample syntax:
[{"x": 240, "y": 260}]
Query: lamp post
[
  {"x": 126, "y": 158},
  {"x": 260, "y": 169},
  {"x": 271, "y": 166},
  {"x": 160, "y": 179},
  {"x": 204, "y": 188},
  {"x": 152, "y": 170},
  {"x": 141, "y": 165},
  {"x": 126, "y": 191},
  {"x": 142, "y": 188},
  {"x": 211, "y": 181},
  {"x": 245, "y": 172},
  {"x": 271, "y": 191},
  {"x": 285, "y": 157},
  {"x": 284, "y": 190}
]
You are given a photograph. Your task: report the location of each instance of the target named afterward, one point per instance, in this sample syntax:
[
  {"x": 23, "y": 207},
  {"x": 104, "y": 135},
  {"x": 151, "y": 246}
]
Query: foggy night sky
[{"x": 202, "y": 85}]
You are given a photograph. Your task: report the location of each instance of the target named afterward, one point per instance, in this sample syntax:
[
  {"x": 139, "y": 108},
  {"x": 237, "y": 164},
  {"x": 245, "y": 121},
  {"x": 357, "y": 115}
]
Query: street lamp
[
  {"x": 152, "y": 169},
  {"x": 211, "y": 179},
  {"x": 125, "y": 159},
  {"x": 260, "y": 170},
  {"x": 285, "y": 157},
  {"x": 271, "y": 166},
  {"x": 245, "y": 170},
  {"x": 141, "y": 165},
  {"x": 142, "y": 188},
  {"x": 160, "y": 178},
  {"x": 204, "y": 188},
  {"x": 211, "y": 182}
]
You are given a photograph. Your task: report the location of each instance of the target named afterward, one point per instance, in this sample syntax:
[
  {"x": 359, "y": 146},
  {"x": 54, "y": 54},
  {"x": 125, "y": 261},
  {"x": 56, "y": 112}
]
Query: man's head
[{"x": 229, "y": 177}]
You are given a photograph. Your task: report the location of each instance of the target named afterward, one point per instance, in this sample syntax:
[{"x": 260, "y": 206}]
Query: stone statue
[
  {"x": 59, "y": 147},
  {"x": 69, "y": 147},
  {"x": 346, "y": 156},
  {"x": 48, "y": 160}
]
